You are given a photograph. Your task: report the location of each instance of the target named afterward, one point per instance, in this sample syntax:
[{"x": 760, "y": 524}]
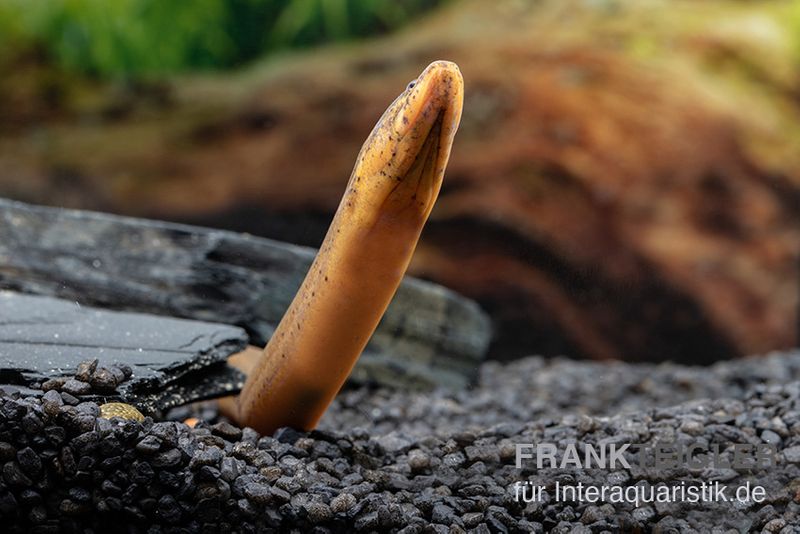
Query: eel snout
[
  {"x": 437, "y": 94},
  {"x": 403, "y": 161}
]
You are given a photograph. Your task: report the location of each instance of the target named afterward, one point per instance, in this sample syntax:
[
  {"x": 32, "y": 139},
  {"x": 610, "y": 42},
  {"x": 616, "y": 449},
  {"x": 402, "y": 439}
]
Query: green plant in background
[
  {"x": 311, "y": 21},
  {"x": 131, "y": 38}
]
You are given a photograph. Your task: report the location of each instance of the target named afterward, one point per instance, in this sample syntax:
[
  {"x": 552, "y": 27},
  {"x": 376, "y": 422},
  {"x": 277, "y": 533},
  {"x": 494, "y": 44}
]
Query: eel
[
  {"x": 395, "y": 182},
  {"x": 365, "y": 253}
]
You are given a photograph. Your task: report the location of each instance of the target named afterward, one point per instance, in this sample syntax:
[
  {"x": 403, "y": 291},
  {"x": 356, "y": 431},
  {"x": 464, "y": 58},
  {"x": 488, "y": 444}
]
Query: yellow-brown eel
[
  {"x": 359, "y": 266},
  {"x": 362, "y": 260}
]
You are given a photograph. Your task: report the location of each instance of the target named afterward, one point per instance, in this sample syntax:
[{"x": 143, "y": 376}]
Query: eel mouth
[
  {"x": 411, "y": 143},
  {"x": 436, "y": 96}
]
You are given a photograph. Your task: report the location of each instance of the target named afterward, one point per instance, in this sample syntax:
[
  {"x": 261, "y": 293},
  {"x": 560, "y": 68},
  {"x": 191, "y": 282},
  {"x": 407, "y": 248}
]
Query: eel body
[{"x": 362, "y": 259}]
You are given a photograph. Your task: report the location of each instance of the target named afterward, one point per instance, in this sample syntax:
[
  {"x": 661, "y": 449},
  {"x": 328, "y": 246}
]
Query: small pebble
[
  {"x": 76, "y": 387},
  {"x": 342, "y": 503},
  {"x": 85, "y": 370},
  {"x": 104, "y": 381}
]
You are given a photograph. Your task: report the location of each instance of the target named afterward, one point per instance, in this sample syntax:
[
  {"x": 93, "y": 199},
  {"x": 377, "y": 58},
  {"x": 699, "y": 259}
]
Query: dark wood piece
[
  {"x": 429, "y": 336},
  {"x": 43, "y": 338}
]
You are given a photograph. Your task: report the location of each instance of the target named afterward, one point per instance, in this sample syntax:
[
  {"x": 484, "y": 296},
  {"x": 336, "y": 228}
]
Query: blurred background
[{"x": 625, "y": 182}]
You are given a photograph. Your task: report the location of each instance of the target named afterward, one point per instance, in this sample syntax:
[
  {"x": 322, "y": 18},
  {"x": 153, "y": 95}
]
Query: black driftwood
[
  {"x": 43, "y": 338},
  {"x": 429, "y": 336}
]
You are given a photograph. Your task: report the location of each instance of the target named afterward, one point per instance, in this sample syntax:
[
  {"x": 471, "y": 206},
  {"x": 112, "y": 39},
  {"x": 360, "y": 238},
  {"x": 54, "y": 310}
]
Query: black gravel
[
  {"x": 406, "y": 462},
  {"x": 540, "y": 388}
]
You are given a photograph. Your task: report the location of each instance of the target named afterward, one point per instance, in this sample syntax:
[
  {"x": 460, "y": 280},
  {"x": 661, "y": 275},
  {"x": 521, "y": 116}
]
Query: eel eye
[{"x": 411, "y": 84}]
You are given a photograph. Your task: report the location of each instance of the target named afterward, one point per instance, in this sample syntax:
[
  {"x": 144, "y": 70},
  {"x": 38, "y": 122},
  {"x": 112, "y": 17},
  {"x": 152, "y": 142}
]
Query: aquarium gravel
[{"x": 412, "y": 462}]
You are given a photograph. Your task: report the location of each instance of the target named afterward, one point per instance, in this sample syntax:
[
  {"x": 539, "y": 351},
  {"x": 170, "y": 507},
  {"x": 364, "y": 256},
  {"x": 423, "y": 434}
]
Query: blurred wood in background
[{"x": 625, "y": 183}]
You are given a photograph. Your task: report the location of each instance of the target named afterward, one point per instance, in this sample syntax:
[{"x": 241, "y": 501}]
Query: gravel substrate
[
  {"x": 411, "y": 462},
  {"x": 540, "y": 388}
]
